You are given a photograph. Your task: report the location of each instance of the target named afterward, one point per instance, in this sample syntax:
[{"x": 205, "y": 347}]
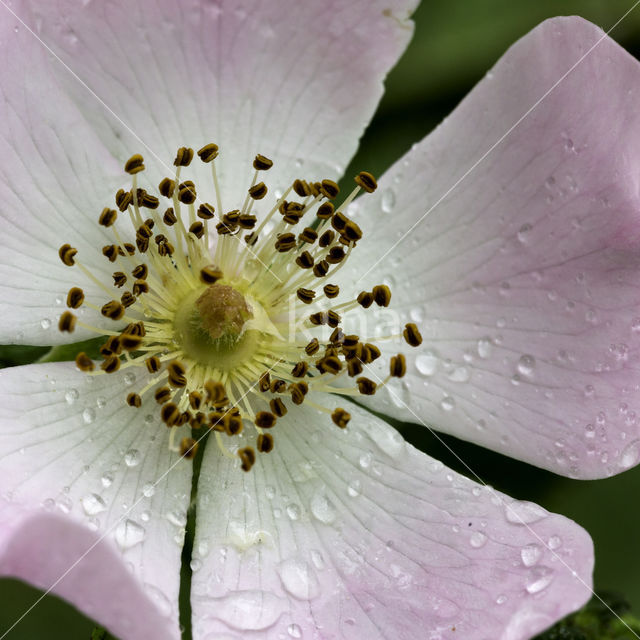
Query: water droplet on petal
[
  {"x": 447, "y": 403},
  {"x": 539, "y": 579},
  {"x": 129, "y": 378},
  {"x": 45, "y": 323},
  {"x": 459, "y": 374},
  {"x": 530, "y": 554},
  {"x": 388, "y": 201},
  {"x": 630, "y": 455},
  {"x": 477, "y": 539},
  {"x": 293, "y": 511},
  {"x": 354, "y": 488},
  {"x": 129, "y": 534},
  {"x": 555, "y": 542},
  {"x": 524, "y": 233},
  {"x": 427, "y": 363},
  {"x": 294, "y": 631},
  {"x": 299, "y": 579},
  {"x": 485, "y": 347},
  {"x": 148, "y": 490},
  {"x": 322, "y": 508},
  {"x": 93, "y": 504},
  {"x": 107, "y": 480},
  {"x": 162, "y": 602},
  {"x": 132, "y": 458},
  {"x": 526, "y": 365},
  {"x": 523, "y": 512},
  {"x": 88, "y": 415}
]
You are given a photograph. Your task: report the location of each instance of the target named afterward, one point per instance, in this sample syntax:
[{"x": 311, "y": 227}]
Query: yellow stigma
[{"x": 214, "y": 308}]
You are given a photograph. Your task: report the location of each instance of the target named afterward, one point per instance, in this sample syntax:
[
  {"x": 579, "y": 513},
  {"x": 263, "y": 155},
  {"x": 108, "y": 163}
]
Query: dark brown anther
[
  {"x": 319, "y": 318},
  {"x": 278, "y": 386},
  {"x": 327, "y": 238},
  {"x": 123, "y": 199},
  {"x": 339, "y": 221},
  {"x": 144, "y": 231},
  {"x": 147, "y": 200},
  {"x": 258, "y": 191},
  {"x": 333, "y": 319},
  {"x": 163, "y": 395},
  {"x": 411, "y": 335},
  {"x": 205, "y": 211},
  {"x": 381, "y": 295},
  {"x": 134, "y": 164},
  {"x": 169, "y": 217},
  {"x": 233, "y": 424},
  {"x": 75, "y": 297},
  {"x": 321, "y": 268},
  {"x": 329, "y": 189},
  {"x": 365, "y": 180},
  {"x": 301, "y": 188},
  {"x": 231, "y": 217},
  {"x": 195, "y": 400},
  {"x": 119, "y": 279},
  {"x": 292, "y": 217},
  {"x": 170, "y": 414},
  {"x": 325, "y": 211},
  {"x": 298, "y": 392},
  {"x": 183, "y": 158},
  {"x": 67, "y": 253},
  {"x": 112, "y": 309},
  {"x": 107, "y": 217},
  {"x": 165, "y": 249},
  {"x": 110, "y": 364},
  {"x": 278, "y": 407},
  {"x": 370, "y": 353},
  {"x": 208, "y": 153},
  {"x": 140, "y": 287},
  {"x": 351, "y": 232},
  {"x": 264, "y": 382},
  {"x": 127, "y": 299},
  {"x": 265, "y": 419},
  {"x": 331, "y": 290},
  {"x": 331, "y": 364},
  {"x": 184, "y": 418},
  {"x": 198, "y": 420},
  {"x": 176, "y": 374},
  {"x": 308, "y": 235},
  {"x": 84, "y": 362},
  {"x": 365, "y": 299},
  {"x": 166, "y": 187},
  {"x": 312, "y": 348},
  {"x": 305, "y": 260},
  {"x": 187, "y": 192},
  {"x": 350, "y": 341},
  {"x": 397, "y": 366},
  {"x": 188, "y": 446},
  {"x": 110, "y": 251},
  {"x": 142, "y": 243},
  {"x": 130, "y": 341},
  {"x": 197, "y": 228},
  {"x": 111, "y": 347},
  {"x": 261, "y": 163},
  {"x": 247, "y": 221},
  {"x": 366, "y": 387},
  {"x": 128, "y": 247},
  {"x": 300, "y": 369},
  {"x": 306, "y": 295},
  {"x": 354, "y": 367},
  {"x": 285, "y": 242},
  {"x": 225, "y": 229},
  {"x": 247, "y": 458},
  {"x": 264, "y": 443},
  {"x": 160, "y": 238},
  {"x": 153, "y": 364},
  {"x": 210, "y": 274},
  {"x": 337, "y": 337},
  {"x": 216, "y": 394},
  {"x": 335, "y": 255},
  {"x": 340, "y": 417},
  {"x": 136, "y": 329},
  {"x": 140, "y": 272},
  {"x": 134, "y": 400}
]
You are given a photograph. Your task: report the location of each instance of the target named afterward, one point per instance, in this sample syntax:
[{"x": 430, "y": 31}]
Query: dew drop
[
  {"x": 93, "y": 504},
  {"x": 322, "y": 508},
  {"x": 129, "y": 378},
  {"x": 354, "y": 488},
  {"x": 299, "y": 579},
  {"x": 195, "y": 564},
  {"x": 293, "y": 511},
  {"x": 555, "y": 542},
  {"x": 88, "y": 415},
  {"x": 526, "y": 364},
  {"x": 501, "y": 599},
  {"x": 294, "y": 631},
  {"x": 459, "y": 374},
  {"x": 477, "y": 539},
  {"x": 101, "y": 402},
  {"x": 539, "y": 579},
  {"x": 523, "y": 512},
  {"x": 71, "y": 396},
  {"x": 447, "y": 403},
  {"x": 530, "y": 554},
  {"x": 107, "y": 480},
  {"x": 45, "y": 323},
  {"x": 523, "y": 233},
  {"x": 129, "y": 534},
  {"x": 132, "y": 458},
  {"x": 249, "y": 610},
  {"x": 270, "y": 492},
  {"x": 388, "y": 200},
  {"x": 484, "y": 347},
  {"x": 148, "y": 490},
  {"x": 177, "y": 518},
  {"x": 427, "y": 363},
  {"x": 630, "y": 455}
]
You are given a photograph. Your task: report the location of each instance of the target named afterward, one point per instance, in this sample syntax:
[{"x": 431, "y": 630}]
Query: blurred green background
[{"x": 455, "y": 43}]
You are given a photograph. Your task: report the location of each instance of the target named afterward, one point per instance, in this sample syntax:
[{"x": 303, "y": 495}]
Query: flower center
[{"x": 220, "y": 320}]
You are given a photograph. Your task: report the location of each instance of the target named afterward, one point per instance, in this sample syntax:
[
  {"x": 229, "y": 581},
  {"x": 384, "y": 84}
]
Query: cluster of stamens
[{"x": 206, "y": 305}]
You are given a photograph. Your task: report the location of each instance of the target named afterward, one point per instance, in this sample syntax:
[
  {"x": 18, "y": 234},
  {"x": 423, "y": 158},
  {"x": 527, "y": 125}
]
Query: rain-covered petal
[
  {"x": 55, "y": 178},
  {"x": 296, "y": 81},
  {"x": 355, "y": 534},
  {"x": 88, "y": 486},
  {"x": 521, "y": 264}
]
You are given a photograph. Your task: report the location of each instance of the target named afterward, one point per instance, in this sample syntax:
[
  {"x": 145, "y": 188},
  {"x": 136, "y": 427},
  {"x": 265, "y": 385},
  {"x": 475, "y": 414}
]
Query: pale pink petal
[
  {"x": 355, "y": 534},
  {"x": 296, "y": 81},
  {"x": 79, "y": 468},
  {"x": 55, "y": 178},
  {"x": 524, "y": 275}
]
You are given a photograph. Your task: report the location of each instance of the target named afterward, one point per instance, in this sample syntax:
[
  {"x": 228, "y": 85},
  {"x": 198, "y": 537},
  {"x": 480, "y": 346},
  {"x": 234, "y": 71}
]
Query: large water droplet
[
  {"x": 88, "y": 415},
  {"x": 526, "y": 365},
  {"x": 299, "y": 579},
  {"x": 93, "y": 504},
  {"x": 388, "y": 201},
  {"x": 530, "y": 554},
  {"x": 293, "y": 511},
  {"x": 354, "y": 488},
  {"x": 249, "y": 610},
  {"x": 71, "y": 396},
  {"x": 107, "y": 480},
  {"x": 294, "y": 631},
  {"x": 485, "y": 347},
  {"x": 427, "y": 363},
  {"x": 177, "y": 518},
  {"x": 539, "y": 579},
  {"x": 45, "y": 323},
  {"x": 459, "y": 374},
  {"x": 477, "y": 539},
  {"x": 523, "y": 512},
  {"x": 129, "y": 378},
  {"x": 447, "y": 403},
  {"x": 524, "y": 232},
  {"x": 132, "y": 458},
  {"x": 630, "y": 455},
  {"x": 148, "y": 490},
  {"x": 322, "y": 508},
  {"x": 129, "y": 534}
]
